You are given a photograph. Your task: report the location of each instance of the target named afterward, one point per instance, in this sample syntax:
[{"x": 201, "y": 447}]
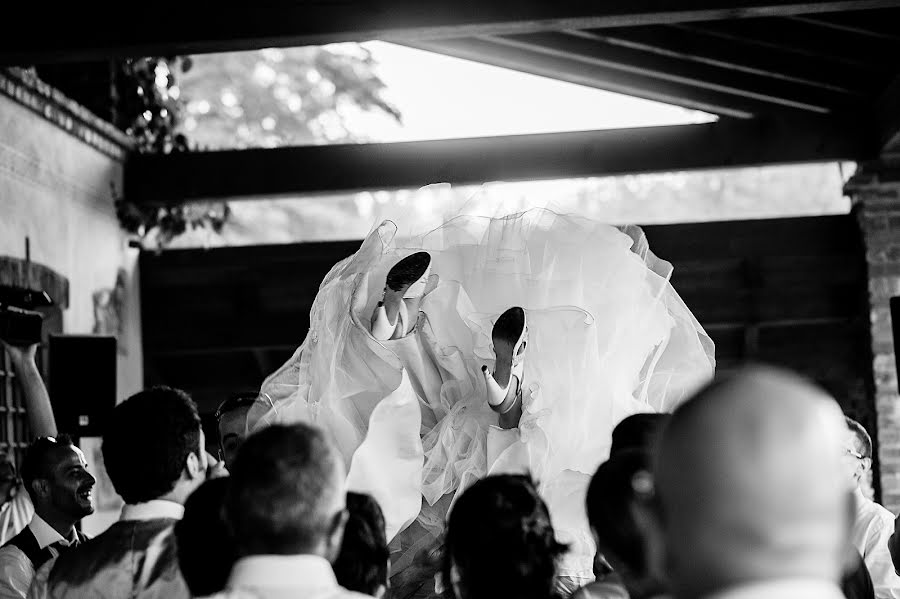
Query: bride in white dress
[{"x": 407, "y": 366}]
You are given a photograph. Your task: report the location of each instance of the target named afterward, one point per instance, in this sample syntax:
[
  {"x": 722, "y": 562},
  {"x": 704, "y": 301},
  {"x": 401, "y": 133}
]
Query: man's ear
[
  {"x": 194, "y": 467},
  {"x": 40, "y": 487}
]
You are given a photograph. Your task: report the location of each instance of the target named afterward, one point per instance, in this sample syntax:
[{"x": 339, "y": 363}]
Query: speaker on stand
[{"x": 82, "y": 382}]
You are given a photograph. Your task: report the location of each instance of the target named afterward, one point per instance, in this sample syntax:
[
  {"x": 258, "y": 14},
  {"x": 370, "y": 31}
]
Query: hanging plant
[
  {"x": 148, "y": 107},
  {"x": 154, "y": 227}
]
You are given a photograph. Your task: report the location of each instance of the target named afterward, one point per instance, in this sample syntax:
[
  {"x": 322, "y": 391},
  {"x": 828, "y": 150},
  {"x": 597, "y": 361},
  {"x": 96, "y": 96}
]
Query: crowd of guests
[{"x": 750, "y": 489}]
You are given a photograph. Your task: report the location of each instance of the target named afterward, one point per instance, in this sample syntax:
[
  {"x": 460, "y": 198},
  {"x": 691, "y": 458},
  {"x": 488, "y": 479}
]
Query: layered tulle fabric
[{"x": 608, "y": 337}]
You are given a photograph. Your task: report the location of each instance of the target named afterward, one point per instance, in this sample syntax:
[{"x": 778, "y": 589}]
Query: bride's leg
[
  {"x": 406, "y": 281},
  {"x": 504, "y": 387}
]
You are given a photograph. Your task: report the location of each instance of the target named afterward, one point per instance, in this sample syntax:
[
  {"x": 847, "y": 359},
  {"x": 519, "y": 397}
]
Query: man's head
[
  {"x": 153, "y": 446},
  {"x": 55, "y": 475},
  {"x": 287, "y": 493},
  {"x": 750, "y": 484},
  {"x": 857, "y": 448},
  {"x": 362, "y": 565},
  {"x": 231, "y": 425}
]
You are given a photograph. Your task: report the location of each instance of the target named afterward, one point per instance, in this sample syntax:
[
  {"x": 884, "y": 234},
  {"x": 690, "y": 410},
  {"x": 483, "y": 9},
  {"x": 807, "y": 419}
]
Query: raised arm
[{"x": 37, "y": 401}]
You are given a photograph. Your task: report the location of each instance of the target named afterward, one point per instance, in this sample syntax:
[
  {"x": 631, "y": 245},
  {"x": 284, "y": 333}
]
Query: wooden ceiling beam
[
  {"x": 590, "y": 49},
  {"x": 79, "y": 33},
  {"x": 738, "y": 56},
  {"x": 180, "y": 177}
]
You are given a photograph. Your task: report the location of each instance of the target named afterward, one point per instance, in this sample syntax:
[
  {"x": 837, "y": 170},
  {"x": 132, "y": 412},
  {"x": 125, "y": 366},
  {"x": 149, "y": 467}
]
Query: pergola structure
[{"x": 789, "y": 81}]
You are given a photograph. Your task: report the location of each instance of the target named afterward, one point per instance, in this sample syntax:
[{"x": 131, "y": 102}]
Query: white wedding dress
[{"x": 608, "y": 337}]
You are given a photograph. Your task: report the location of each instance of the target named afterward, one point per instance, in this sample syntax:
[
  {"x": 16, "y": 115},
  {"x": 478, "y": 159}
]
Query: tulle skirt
[{"x": 608, "y": 337}]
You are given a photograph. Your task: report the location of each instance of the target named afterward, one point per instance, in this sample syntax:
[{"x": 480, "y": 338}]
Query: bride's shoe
[
  {"x": 510, "y": 337},
  {"x": 406, "y": 280}
]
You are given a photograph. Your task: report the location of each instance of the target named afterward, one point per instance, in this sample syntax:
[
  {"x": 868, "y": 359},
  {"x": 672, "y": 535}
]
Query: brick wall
[{"x": 876, "y": 193}]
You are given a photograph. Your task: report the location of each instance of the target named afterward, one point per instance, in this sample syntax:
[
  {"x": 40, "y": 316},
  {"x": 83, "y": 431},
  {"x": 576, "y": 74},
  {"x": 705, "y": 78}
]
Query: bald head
[{"x": 751, "y": 484}]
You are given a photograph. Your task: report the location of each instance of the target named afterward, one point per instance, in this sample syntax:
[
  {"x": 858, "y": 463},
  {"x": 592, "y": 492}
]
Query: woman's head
[
  {"x": 500, "y": 542},
  {"x": 610, "y": 503},
  {"x": 362, "y": 564}
]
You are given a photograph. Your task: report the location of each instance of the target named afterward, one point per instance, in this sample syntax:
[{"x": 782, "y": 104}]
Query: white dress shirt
[
  {"x": 152, "y": 510},
  {"x": 782, "y": 589},
  {"x": 284, "y": 577},
  {"x": 872, "y": 528},
  {"x": 16, "y": 570}
]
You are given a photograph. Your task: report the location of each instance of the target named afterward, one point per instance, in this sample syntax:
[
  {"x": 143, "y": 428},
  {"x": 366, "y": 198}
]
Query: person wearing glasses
[
  {"x": 873, "y": 524},
  {"x": 16, "y": 509},
  {"x": 231, "y": 425}
]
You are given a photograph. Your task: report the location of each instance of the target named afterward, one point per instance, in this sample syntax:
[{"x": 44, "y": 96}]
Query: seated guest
[
  {"x": 206, "y": 551},
  {"x": 231, "y": 425},
  {"x": 56, "y": 477},
  {"x": 873, "y": 524},
  {"x": 638, "y": 431},
  {"x": 500, "y": 542},
  {"x": 612, "y": 499},
  {"x": 286, "y": 509},
  {"x": 16, "y": 510},
  {"x": 751, "y": 491},
  {"x": 362, "y": 565},
  {"x": 153, "y": 452}
]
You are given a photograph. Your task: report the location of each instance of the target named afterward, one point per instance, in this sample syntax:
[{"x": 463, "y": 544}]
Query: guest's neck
[{"x": 62, "y": 523}]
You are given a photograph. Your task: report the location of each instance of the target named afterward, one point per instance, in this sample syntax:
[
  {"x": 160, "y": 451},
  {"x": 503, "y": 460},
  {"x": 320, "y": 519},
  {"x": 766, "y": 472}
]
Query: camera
[{"x": 20, "y": 324}]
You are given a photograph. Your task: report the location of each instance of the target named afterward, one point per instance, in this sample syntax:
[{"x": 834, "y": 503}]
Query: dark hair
[
  {"x": 206, "y": 551},
  {"x": 283, "y": 486},
  {"x": 638, "y": 431},
  {"x": 863, "y": 440},
  {"x": 609, "y": 499},
  {"x": 147, "y": 441},
  {"x": 39, "y": 460},
  {"x": 234, "y": 402},
  {"x": 362, "y": 564},
  {"x": 501, "y": 541}
]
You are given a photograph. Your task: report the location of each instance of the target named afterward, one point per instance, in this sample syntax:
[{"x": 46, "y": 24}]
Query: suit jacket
[{"x": 133, "y": 559}]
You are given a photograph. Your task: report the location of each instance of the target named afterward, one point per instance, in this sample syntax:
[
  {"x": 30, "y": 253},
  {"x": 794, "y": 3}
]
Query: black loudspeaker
[{"x": 82, "y": 382}]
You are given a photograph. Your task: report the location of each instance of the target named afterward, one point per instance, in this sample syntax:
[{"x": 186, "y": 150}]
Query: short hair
[
  {"x": 206, "y": 551},
  {"x": 286, "y": 485},
  {"x": 610, "y": 496},
  {"x": 863, "y": 440},
  {"x": 244, "y": 399},
  {"x": 501, "y": 541},
  {"x": 38, "y": 462},
  {"x": 638, "y": 431},
  {"x": 362, "y": 564},
  {"x": 147, "y": 441}
]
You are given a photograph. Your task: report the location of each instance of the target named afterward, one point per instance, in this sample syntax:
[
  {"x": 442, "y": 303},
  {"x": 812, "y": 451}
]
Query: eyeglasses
[
  {"x": 855, "y": 454},
  {"x": 234, "y": 403}
]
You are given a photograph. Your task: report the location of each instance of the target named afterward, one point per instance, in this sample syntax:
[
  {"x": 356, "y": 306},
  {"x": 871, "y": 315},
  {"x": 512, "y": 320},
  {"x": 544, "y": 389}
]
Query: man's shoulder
[{"x": 11, "y": 554}]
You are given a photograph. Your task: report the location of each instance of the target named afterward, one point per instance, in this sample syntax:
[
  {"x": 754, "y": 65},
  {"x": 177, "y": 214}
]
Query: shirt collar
[
  {"x": 797, "y": 588},
  {"x": 280, "y": 571},
  {"x": 45, "y": 534},
  {"x": 153, "y": 510}
]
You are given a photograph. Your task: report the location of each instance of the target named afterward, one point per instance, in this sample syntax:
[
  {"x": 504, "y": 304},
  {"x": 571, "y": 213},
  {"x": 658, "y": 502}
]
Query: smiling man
[{"x": 55, "y": 475}]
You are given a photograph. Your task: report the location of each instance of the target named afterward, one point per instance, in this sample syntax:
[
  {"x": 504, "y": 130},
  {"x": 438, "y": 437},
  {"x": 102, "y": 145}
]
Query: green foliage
[
  {"x": 276, "y": 97},
  {"x": 263, "y": 98}
]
